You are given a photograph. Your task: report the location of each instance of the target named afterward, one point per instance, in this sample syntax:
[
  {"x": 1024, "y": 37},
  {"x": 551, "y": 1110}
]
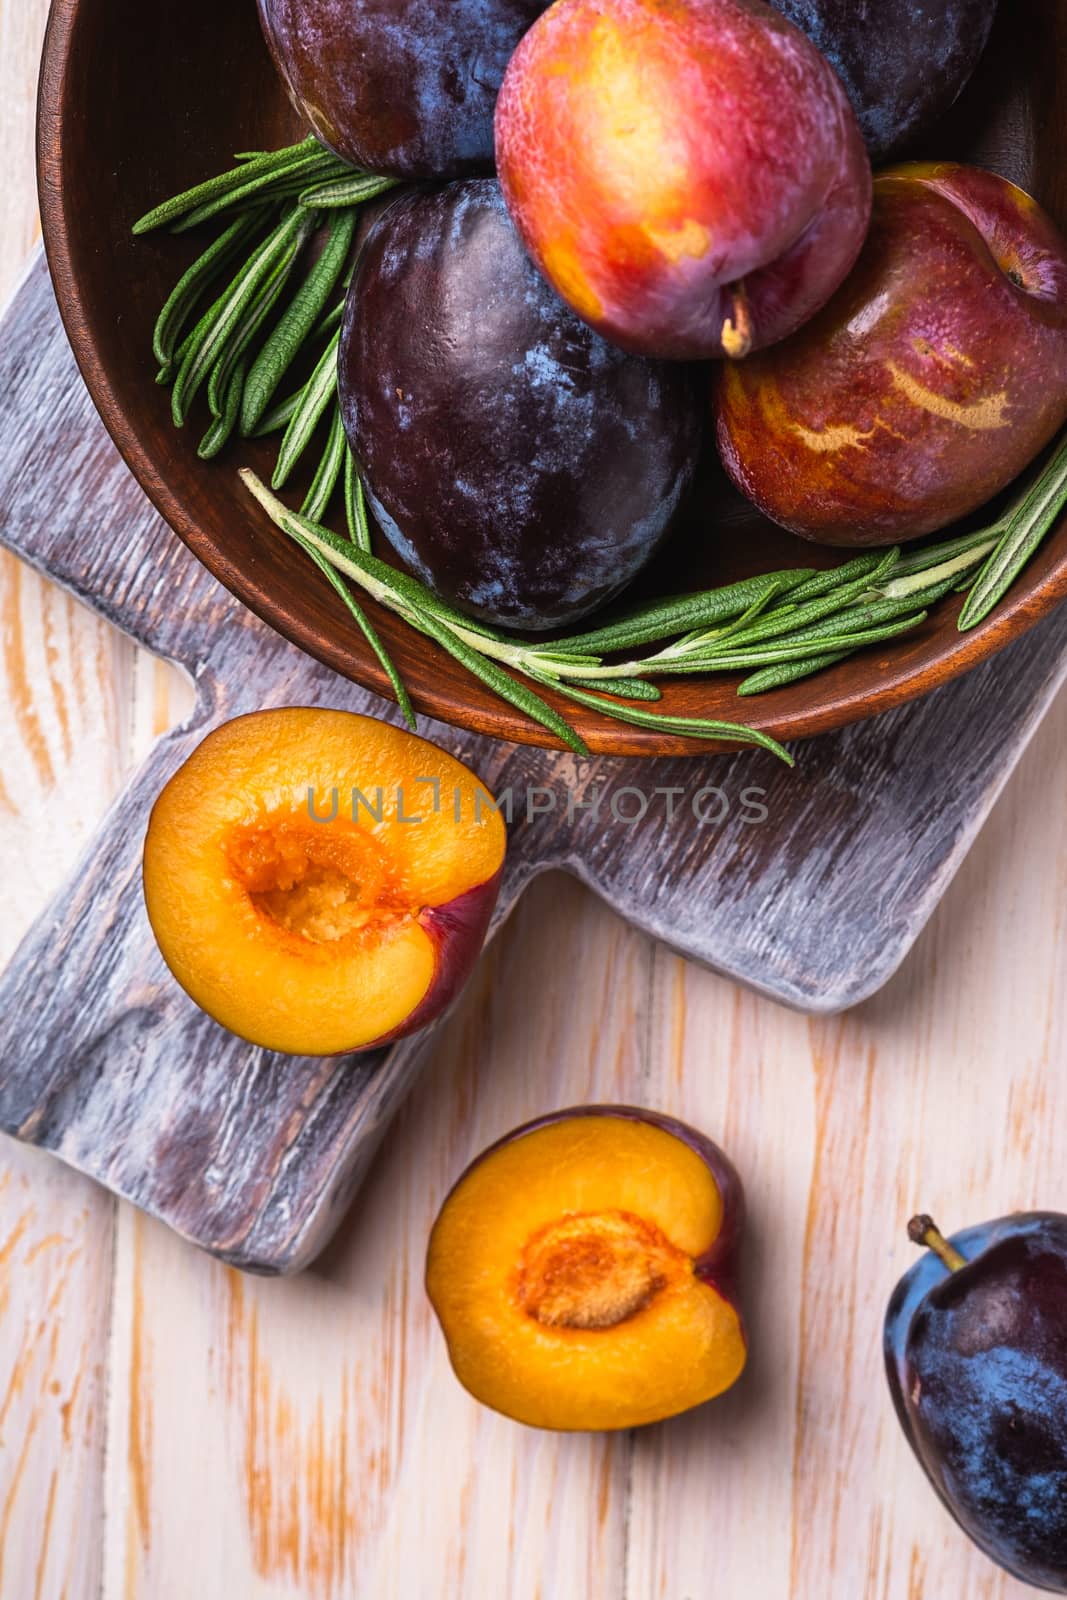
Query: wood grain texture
[
  {"x": 323, "y": 1449},
  {"x": 64, "y": 696},
  {"x": 276, "y": 1440},
  {"x": 256, "y": 1156}
]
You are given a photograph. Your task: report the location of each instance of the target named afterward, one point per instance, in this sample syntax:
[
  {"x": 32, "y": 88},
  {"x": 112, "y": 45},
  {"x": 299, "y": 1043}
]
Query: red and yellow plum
[
  {"x": 688, "y": 174},
  {"x": 521, "y": 466},
  {"x": 934, "y": 376}
]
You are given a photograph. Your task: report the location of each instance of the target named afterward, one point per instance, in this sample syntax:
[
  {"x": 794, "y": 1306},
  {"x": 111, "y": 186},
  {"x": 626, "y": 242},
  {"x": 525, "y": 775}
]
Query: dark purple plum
[
  {"x": 521, "y": 466},
  {"x": 903, "y": 62},
  {"x": 402, "y": 87},
  {"x": 976, "y": 1353}
]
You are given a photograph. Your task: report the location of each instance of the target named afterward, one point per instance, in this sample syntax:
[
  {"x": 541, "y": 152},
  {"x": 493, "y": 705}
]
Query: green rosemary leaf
[
  {"x": 795, "y": 619},
  {"x": 248, "y": 328},
  {"x": 701, "y": 638},
  {"x": 329, "y": 472},
  {"x": 320, "y": 389},
  {"x": 623, "y": 688},
  {"x": 172, "y": 321},
  {"x": 876, "y": 611},
  {"x": 266, "y": 167},
  {"x": 685, "y": 727},
  {"x": 356, "y": 505},
  {"x": 282, "y": 348},
  {"x": 503, "y": 685},
  {"x": 284, "y": 184},
  {"x": 186, "y": 356},
  {"x": 1035, "y": 515},
  {"x": 370, "y": 633},
  {"x": 873, "y": 615},
  {"x": 352, "y": 190},
  {"x": 948, "y": 571},
  {"x": 662, "y": 619},
  {"x": 548, "y": 657},
  {"x": 222, "y": 428},
  {"x": 937, "y": 555},
  {"x": 773, "y": 651},
  {"x": 279, "y": 416},
  {"x": 789, "y": 672},
  {"x": 818, "y": 583},
  {"x": 213, "y": 332}
]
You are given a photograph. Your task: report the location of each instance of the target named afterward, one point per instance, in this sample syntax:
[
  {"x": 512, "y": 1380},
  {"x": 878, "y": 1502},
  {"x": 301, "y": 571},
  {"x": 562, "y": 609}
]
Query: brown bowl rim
[{"x": 1027, "y": 604}]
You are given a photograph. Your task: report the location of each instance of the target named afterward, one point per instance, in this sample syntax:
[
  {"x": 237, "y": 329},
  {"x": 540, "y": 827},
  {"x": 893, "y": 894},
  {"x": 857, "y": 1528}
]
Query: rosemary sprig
[
  {"x": 351, "y": 190},
  {"x": 777, "y": 628},
  {"x": 300, "y": 319},
  {"x": 174, "y": 318},
  {"x": 329, "y": 470},
  {"x": 252, "y": 181},
  {"x": 1025, "y": 526},
  {"x": 484, "y": 652}
]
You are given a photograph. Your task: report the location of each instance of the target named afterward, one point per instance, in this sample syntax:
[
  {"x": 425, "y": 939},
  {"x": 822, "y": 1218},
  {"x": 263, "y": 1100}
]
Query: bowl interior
[{"x": 139, "y": 102}]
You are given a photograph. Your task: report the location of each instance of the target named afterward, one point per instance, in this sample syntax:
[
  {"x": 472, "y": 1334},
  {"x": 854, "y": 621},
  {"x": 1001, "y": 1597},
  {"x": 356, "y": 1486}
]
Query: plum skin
[
  {"x": 902, "y": 64},
  {"x": 405, "y": 88},
  {"x": 519, "y": 465},
  {"x": 929, "y": 382},
  {"x": 689, "y": 176},
  {"x": 989, "y": 1427},
  {"x": 458, "y": 931}
]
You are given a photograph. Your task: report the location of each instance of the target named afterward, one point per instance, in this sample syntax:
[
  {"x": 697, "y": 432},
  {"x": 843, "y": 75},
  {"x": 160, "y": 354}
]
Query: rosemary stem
[{"x": 916, "y": 582}]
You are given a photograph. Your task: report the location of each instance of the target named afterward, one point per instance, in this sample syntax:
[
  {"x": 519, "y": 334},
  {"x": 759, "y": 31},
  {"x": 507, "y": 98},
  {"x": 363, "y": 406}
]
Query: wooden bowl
[{"x": 139, "y": 102}]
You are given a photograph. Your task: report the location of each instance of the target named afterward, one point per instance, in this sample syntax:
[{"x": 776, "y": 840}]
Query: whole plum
[
  {"x": 976, "y": 1355},
  {"x": 402, "y": 87},
  {"x": 903, "y": 62},
  {"x": 520, "y": 465},
  {"x": 932, "y": 379},
  {"x": 687, "y": 174}
]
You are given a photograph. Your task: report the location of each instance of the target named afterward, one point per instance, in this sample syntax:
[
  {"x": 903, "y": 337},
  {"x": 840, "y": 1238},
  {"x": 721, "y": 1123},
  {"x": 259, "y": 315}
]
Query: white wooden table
[{"x": 169, "y": 1430}]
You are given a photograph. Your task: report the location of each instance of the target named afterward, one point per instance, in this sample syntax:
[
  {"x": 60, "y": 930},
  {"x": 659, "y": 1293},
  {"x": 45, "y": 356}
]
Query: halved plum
[
  {"x": 320, "y": 882},
  {"x": 582, "y": 1271}
]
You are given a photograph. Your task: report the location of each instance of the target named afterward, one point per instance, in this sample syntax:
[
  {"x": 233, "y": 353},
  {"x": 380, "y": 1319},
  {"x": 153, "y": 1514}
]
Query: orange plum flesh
[
  {"x": 582, "y": 1272},
  {"x": 324, "y": 934}
]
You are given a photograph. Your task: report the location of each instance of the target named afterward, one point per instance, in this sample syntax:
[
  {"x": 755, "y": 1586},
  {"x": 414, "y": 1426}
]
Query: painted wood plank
[
  {"x": 62, "y": 743},
  {"x": 321, "y": 1446},
  {"x": 254, "y": 1156},
  {"x": 964, "y": 1107},
  {"x": 55, "y": 1298},
  {"x": 944, "y": 1093},
  {"x": 68, "y": 685}
]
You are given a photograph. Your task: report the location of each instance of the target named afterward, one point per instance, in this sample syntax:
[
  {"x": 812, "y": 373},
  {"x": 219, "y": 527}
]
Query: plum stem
[
  {"x": 924, "y": 1231},
  {"x": 737, "y": 329}
]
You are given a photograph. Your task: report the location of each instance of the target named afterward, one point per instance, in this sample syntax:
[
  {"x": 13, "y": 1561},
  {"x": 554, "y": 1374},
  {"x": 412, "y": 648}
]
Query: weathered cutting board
[{"x": 809, "y": 886}]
